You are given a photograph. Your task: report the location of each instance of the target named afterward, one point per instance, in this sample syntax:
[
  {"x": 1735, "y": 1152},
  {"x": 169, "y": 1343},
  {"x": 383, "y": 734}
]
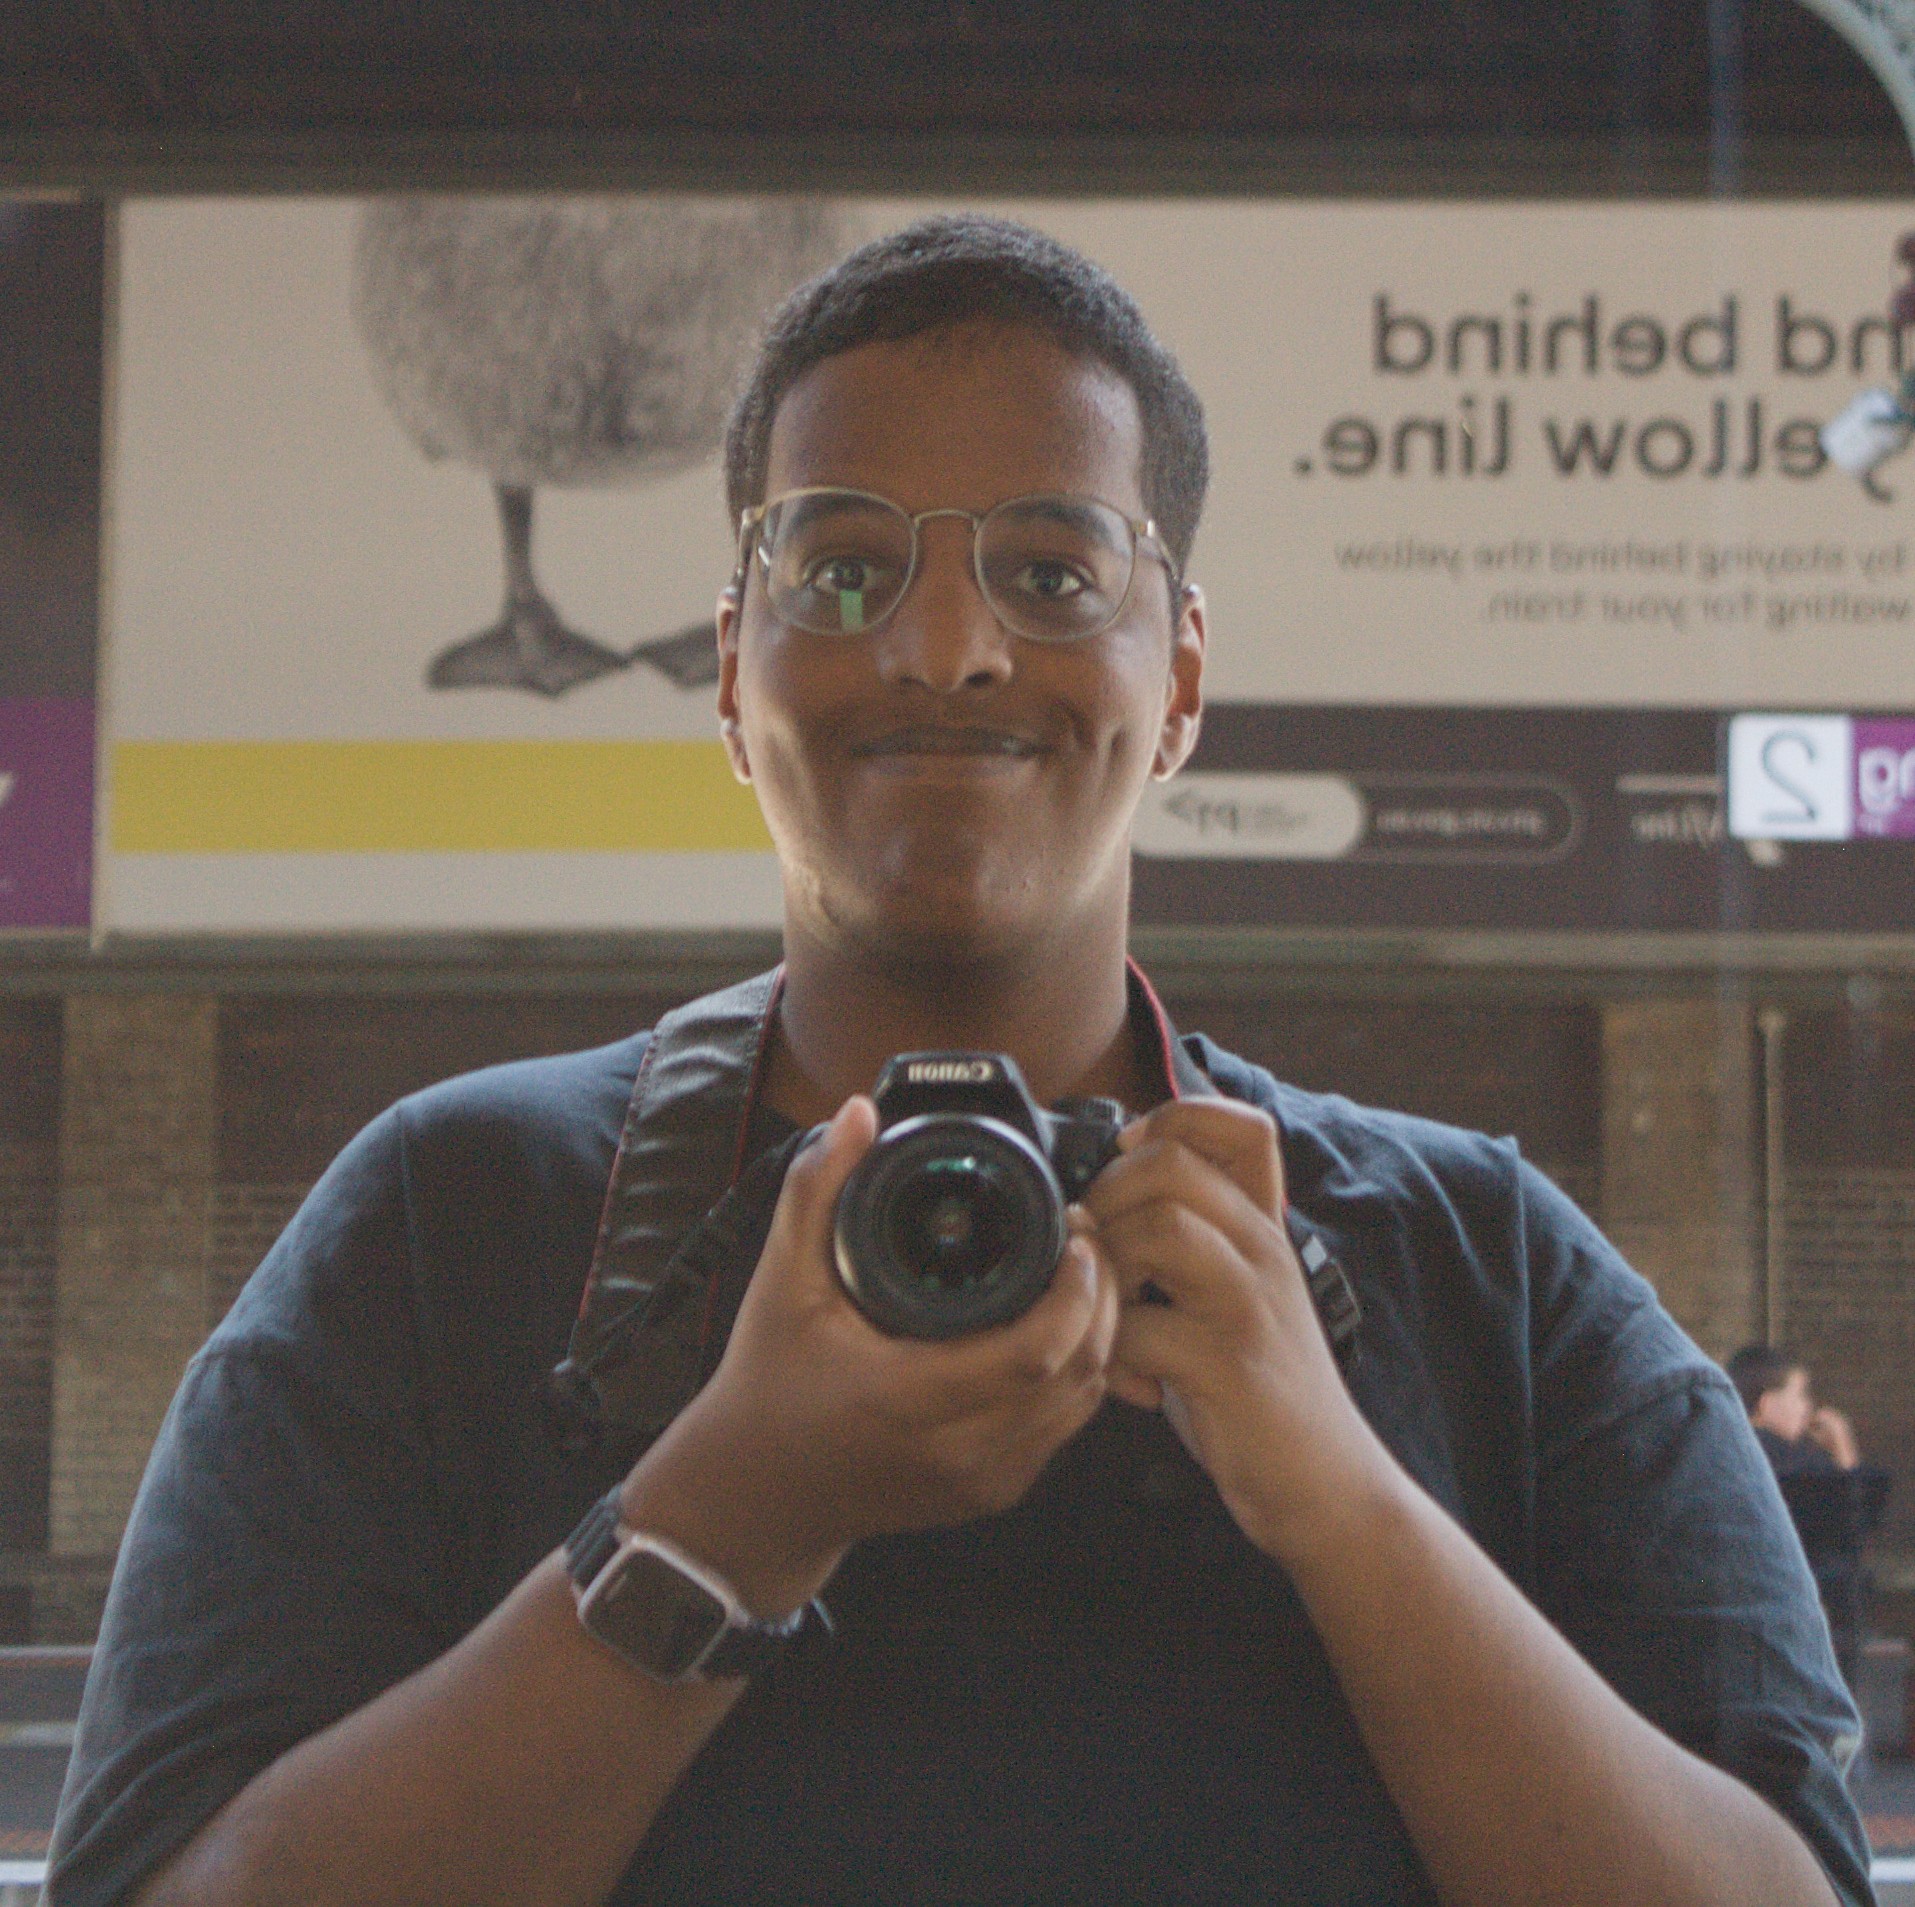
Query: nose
[{"x": 943, "y": 635}]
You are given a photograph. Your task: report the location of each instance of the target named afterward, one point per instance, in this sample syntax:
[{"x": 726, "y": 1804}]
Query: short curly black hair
[{"x": 964, "y": 268}]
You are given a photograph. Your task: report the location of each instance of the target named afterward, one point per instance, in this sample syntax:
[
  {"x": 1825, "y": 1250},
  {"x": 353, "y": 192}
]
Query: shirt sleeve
[
  {"x": 288, "y": 1555},
  {"x": 1664, "y": 1552}
]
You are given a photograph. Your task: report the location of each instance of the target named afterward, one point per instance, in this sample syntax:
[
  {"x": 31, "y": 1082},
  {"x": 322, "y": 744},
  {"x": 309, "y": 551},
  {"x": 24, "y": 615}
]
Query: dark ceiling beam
[
  {"x": 1430, "y": 166},
  {"x": 1432, "y": 94}
]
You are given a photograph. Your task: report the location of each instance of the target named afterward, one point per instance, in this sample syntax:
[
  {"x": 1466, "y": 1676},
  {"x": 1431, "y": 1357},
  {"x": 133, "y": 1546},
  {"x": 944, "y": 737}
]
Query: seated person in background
[
  {"x": 1834, "y": 1497},
  {"x": 1136, "y": 1597},
  {"x": 1795, "y": 1432}
]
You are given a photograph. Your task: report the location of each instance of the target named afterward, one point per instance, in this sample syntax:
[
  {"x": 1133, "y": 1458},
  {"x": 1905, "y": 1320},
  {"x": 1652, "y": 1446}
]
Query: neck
[{"x": 1061, "y": 1011}]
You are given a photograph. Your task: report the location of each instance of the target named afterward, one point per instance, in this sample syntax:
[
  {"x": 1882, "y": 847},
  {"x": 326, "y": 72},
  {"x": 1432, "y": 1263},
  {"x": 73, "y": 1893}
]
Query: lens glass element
[
  {"x": 836, "y": 561},
  {"x": 1055, "y": 569},
  {"x": 954, "y": 1223}
]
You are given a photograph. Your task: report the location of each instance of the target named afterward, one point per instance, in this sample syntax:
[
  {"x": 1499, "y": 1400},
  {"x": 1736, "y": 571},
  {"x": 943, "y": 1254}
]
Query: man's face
[
  {"x": 1786, "y": 1410},
  {"x": 938, "y": 786}
]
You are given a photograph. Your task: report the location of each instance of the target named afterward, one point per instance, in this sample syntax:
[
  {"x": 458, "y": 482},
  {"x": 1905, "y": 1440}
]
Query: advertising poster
[
  {"x": 1534, "y": 601},
  {"x": 51, "y": 277}
]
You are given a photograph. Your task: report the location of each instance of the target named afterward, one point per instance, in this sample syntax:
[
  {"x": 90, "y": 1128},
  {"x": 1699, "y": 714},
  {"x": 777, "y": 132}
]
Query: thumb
[{"x": 800, "y": 1242}]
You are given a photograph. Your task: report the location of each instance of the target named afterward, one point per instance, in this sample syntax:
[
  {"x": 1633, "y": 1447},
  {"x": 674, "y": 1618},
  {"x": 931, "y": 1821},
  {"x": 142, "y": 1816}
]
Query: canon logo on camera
[{"x": 950, "y": 1072}]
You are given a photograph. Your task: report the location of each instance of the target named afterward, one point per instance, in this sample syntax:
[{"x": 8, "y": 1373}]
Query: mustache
[{"x": 949, "y": 738}]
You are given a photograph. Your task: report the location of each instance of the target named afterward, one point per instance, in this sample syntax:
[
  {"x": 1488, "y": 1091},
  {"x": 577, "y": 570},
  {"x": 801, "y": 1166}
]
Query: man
[
  {"x": 1796, "y": 1433},
  {"x": 1835, "y": 1499},
  {"x": 1135, "y": 1598}
]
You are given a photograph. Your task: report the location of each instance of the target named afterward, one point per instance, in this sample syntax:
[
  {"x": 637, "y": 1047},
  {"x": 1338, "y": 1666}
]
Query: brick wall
[
  {"x": 1680, "y": 1180},
  {"x": 1532, "y": 1071},
  {"x": 1848, "y": 1144},
  {"x": 190, "y": 1127},
  {"x": 29, "y": 1178},
  {"x": 1850, "y": 1256},
  {"x": 136, "y": 1169}
]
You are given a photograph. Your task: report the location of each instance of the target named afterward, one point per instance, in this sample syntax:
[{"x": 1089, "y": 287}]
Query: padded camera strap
[
  {"x": 639, "y": 1346},
  {"x": 685, "y": 1215}
]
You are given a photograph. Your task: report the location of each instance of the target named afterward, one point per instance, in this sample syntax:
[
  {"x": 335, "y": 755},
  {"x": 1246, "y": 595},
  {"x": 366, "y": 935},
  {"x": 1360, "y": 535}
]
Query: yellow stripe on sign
[{"x": 430, "y": 798}]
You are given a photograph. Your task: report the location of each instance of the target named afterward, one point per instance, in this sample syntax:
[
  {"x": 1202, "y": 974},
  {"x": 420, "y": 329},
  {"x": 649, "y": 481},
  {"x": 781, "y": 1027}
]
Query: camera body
[{"x": 954, "y": 1221}]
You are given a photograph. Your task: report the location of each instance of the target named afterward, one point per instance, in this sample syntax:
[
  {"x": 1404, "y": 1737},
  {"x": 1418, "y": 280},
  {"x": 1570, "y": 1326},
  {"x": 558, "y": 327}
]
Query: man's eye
[
  {"x": 1049, "y": 579},
  {"x": 836, "y": 575}
]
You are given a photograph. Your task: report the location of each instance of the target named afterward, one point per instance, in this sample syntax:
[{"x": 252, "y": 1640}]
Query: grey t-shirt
[{"x": 1105, "y": 1695}]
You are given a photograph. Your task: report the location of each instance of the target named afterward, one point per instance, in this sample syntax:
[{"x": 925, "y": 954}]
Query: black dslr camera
[{"x": 954, "y": 1220}]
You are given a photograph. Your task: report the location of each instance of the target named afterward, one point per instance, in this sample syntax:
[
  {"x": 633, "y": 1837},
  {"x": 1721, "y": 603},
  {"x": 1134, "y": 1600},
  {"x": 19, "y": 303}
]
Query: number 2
[{"x": 1805, "y": 815}]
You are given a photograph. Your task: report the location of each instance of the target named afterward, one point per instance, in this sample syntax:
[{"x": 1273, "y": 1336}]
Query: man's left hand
[{"x": 1218, "y": 1316}]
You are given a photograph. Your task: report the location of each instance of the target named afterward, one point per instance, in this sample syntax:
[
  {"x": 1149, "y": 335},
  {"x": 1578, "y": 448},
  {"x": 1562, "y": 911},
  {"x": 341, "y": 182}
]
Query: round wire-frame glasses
[{"x": 1053, "y": 568}]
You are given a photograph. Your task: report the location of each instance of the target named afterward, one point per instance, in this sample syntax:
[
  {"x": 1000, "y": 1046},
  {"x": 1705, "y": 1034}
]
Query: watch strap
[
  {"x": 745, "y": 1646},
  {"x": 752, "y": 1647},
  {"x": 594, "y": 1542}
]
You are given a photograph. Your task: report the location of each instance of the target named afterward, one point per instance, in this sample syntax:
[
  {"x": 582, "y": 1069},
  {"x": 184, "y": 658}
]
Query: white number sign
[{"x": 1791, "y": 778}]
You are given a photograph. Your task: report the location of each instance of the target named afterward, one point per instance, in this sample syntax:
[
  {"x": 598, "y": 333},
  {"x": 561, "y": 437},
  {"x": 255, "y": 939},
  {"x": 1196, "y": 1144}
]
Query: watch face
[{"x": 652, "y": 1613}]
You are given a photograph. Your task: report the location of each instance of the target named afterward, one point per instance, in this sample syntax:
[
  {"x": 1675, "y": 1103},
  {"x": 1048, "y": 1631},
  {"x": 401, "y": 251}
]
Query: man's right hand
[
  {"x": 1833, "y": 1431},
  {"x": 817, "y": 1430}
]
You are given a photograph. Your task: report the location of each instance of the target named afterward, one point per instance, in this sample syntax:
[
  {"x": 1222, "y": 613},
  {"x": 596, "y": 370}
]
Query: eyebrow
[
  {"x": 831, "y": 500},
  {"x": 1077, "y": 512}
]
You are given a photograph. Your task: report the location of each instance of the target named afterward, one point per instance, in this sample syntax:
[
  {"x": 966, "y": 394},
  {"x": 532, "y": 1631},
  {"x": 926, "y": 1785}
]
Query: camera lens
[
  {"x": 951, "y": 1223},
  {"x": 954, "y": 1223}
]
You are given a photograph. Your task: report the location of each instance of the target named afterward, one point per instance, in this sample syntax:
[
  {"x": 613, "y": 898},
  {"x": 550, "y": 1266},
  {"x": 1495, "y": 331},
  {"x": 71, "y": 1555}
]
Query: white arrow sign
[{"x": 1250, "y": 817}]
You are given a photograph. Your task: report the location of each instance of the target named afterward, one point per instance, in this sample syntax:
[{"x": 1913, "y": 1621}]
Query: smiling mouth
[{"x": 986, "y": 743}]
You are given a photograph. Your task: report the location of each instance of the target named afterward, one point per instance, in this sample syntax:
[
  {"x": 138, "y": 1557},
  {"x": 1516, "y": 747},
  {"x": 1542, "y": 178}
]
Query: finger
[
  {"x": 1177, "y": 1254},
  {"x": 1132, "y": 1386},
  {"x": 1038, "y": 1347},
  {"x": 1239, "y": 1140},
  {"x": 1186, "y": 1350},
  {"x": 1063, "y": 1340},
  {"x": 1163, "y": 1346},
  {"x": 1003, "y": 1451},
  {"x": 1040, "y": 1420},
  {"x": 1166, "y": 1172},
  {"x": 1013, "y": 1419},
  {"x": 1093, "y": 1350},
  {"x": 800, "y": 1241}
]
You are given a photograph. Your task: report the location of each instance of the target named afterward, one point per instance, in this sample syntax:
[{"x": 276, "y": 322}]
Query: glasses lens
[
  {"x": 1055, "y": 569},
  {"x": 835, "y": 561}
]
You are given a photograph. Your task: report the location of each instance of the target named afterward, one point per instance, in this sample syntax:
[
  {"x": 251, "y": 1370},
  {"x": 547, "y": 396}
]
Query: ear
[
  {"x": 1184, "y": 706},
  {"x": 730, "y": 728}
]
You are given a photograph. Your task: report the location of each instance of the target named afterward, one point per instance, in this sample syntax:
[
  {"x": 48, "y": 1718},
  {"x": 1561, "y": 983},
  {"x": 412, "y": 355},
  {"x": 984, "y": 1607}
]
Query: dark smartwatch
[{"x": 650, "y": 1603}]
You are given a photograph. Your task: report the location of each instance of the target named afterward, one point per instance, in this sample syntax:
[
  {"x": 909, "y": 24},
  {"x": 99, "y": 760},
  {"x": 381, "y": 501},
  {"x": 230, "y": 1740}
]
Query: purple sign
[
  {"x": 46, "y": 811},
  {"x": 1885, "y": 778}
]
